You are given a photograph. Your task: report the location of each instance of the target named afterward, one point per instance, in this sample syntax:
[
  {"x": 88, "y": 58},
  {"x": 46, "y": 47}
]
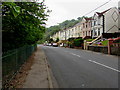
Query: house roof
[
  {"x": 77, "y": 24},
  {"x": 101, "y": 13},
  {"x": 87, "y": 19}
]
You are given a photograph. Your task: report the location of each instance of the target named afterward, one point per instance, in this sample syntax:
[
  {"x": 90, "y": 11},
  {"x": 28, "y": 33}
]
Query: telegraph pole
[{"x": 65, "y": 35}]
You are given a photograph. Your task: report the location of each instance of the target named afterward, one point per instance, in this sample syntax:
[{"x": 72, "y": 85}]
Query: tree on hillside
[{"x": 65, "y": 24}]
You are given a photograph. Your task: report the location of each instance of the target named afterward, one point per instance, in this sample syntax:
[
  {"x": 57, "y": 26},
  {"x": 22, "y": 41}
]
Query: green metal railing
[{"x": 13, "y": 60}]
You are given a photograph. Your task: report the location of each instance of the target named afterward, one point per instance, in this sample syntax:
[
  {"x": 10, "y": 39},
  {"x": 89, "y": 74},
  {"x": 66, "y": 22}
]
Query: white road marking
[
  {"x": 75, "y": 54},
  {"x": 97, "y": 63},
  {"x": 104, "y": 65}
]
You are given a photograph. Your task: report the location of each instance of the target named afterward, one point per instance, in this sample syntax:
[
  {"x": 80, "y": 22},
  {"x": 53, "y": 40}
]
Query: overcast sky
[{"x": 72, "y": 9}]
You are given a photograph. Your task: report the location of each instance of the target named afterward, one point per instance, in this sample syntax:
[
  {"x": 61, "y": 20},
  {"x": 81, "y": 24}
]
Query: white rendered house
[{"x": 105, "y": 22}]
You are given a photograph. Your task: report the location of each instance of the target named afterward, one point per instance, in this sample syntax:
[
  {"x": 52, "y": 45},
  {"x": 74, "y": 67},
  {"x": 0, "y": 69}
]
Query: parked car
[
  {"x": 50, "y": 44},
  {"x": 61, "y": 45},
  {"x": 46, "y": 44},
  {"x": 55, "y": 45}
]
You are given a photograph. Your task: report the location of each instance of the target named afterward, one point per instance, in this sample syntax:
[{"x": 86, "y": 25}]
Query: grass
[
  {"x": 89, "y": 40},
  {"x": 105, "y": 43}
]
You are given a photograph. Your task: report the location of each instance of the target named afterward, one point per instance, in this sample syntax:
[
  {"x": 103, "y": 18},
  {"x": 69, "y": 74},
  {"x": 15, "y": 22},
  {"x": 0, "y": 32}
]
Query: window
[
  {"x": 79, "y": 28},
  {"x": 92, "y": 33},
  {"x": 89, "y": 33},
  {"x": 94, "y": 23},
  {"x": 83, "y": 33},
  {"x": 86, "y": 25},
  {"x": 98, "y": 22},
  {"x": 95, "y": 32},
  {"x": 83, "y": 25},
  {"x": 90, "y": 24},
  {"x": 98, "y": 31}
]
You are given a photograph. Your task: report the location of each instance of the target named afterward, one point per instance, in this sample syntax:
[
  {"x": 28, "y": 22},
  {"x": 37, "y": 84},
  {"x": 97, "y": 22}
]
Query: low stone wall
[
  {"x": 102, "y": 49},
  {"x": 115, "y": 51}
]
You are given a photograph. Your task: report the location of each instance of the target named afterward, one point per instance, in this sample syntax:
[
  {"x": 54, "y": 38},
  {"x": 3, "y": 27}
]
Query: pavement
[
  {"x": 73, "y": 68},
  {"x": 40, "y": 75}
]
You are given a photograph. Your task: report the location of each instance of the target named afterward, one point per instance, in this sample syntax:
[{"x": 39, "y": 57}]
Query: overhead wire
[{"x": 97, "y": 8}]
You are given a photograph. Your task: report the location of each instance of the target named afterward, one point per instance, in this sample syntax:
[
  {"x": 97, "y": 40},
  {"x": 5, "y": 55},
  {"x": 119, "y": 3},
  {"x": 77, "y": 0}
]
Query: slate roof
[{"x": 101, "y": 13}]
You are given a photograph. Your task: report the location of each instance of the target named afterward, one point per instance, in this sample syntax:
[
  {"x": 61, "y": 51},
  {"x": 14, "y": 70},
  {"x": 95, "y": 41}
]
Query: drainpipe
[{"x": 103, "y": 24}]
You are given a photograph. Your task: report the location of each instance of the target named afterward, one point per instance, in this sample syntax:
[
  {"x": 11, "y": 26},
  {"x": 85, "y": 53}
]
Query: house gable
[{"x": 111, "y": 20}]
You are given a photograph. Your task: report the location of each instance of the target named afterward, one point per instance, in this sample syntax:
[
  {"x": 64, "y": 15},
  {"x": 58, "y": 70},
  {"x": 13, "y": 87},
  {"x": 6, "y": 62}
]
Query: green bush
[
  {"x": 57, "y": 40},
  {"x": 51, "y": 40},
  {"x": 78, "y": 42}
]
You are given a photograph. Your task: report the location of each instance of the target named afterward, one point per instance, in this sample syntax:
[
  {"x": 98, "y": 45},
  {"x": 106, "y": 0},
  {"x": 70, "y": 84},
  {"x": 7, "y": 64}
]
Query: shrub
[
  {"x": 78, "y": 42},
  {"x": 57, "y": 40}
]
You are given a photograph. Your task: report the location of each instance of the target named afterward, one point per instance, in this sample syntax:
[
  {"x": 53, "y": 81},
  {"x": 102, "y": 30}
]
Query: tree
[
  {"x": 22, "y": 23},
  {"x": 51, "y": 40},
  {"x": 57, "y": 40}
]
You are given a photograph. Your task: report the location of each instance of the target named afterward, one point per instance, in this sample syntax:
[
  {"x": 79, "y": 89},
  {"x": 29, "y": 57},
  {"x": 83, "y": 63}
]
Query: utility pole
[{"x": 65, "y": 35}]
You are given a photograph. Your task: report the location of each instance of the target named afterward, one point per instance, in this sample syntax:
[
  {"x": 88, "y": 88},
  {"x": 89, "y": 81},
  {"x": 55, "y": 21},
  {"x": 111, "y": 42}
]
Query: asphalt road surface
[{"x": 73, "y": 68}]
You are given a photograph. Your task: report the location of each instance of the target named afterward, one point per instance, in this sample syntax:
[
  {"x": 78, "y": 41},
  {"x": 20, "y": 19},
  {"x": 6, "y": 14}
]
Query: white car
[
  {"x": 61, "y": 45},
  {"x": 55, "y": 44},
  {"x": 50, "y": 44}
]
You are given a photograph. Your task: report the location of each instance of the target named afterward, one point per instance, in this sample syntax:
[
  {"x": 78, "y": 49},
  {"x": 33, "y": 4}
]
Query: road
[{"x": 73, "y": 68}]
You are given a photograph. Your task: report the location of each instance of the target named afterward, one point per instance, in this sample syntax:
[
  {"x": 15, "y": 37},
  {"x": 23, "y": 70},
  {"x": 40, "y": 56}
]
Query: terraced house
[
  {"x": 94, "y": 27},
  {"x": 85, "y": 27}
]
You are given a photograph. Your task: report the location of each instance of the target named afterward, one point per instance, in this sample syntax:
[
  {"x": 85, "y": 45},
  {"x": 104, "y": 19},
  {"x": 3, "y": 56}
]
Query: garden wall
[
  {"x": 104, "y": 49},
  {"x": 115, "y": 51}
]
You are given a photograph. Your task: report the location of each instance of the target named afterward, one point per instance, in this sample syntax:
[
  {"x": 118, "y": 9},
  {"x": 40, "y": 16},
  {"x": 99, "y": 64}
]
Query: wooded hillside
[{"x": 66, "y": 24}]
